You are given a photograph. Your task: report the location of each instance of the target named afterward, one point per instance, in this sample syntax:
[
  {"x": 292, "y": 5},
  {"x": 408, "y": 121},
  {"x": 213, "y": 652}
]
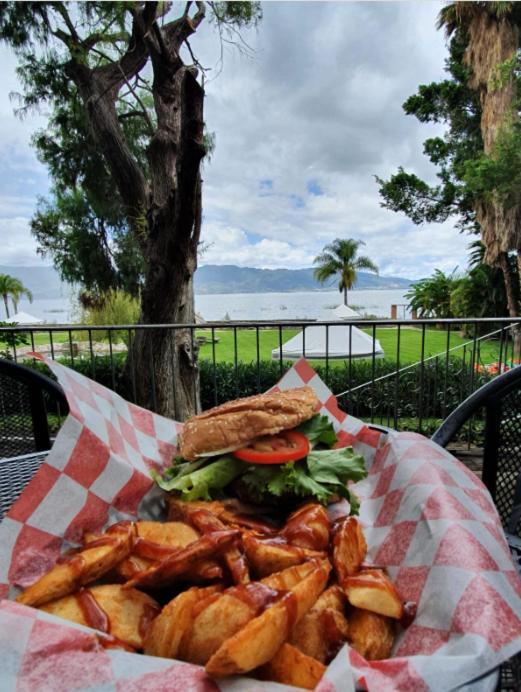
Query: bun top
[{"x": 236, "y": 423}]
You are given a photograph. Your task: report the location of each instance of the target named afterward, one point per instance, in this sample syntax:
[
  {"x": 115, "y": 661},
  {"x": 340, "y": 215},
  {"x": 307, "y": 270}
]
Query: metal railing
[{"x": 428, "y": 367}]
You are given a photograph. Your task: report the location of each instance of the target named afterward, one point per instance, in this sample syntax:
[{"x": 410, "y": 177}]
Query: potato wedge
[
  {"x": 207, "y": 522},
  {"x": 308, "y": 527},
  {"x": 259, "y": 640},
  {"x": 288, "y": 578},
  {"x": 349, "y": 548},
  {"x": 372, "y": 590},
  {"x": 183, "y": 560},
  {"x": 155, "y": 541},
  {"x": 124, "y": 613},
  {"x": 166, "y": 631},
  {"x": 370, "y": 634},
  {"x": 174, "y": 533},
  {"x": 231, "y": 512},
  {"x": 324, "y": 629},
  {"x": 290, "y": 666},
  {"x": 92, "y": 562},
  {"x": 219, "y": 619},
  {"x": 267, "y": 556}
]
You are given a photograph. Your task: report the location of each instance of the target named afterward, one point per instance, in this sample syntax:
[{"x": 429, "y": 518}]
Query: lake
[{"x": 251, "y": 306}]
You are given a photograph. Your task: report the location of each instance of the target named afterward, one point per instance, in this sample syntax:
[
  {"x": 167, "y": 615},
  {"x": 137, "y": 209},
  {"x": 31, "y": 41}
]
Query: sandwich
[{"x": 268, "y": 449}]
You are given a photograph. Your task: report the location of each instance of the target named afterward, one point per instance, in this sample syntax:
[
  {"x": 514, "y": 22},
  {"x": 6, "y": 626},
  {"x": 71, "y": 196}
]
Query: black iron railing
[{"x": 427, "y": 368}]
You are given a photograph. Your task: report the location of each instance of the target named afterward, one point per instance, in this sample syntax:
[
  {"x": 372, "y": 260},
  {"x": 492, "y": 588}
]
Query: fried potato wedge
[
  {"x": 308, "y": 527},
  {"x": 219, "y": 619},
  {"x": 290, "y": 666},
  {"x": 371, "y": 589},
  {"x": 324, "y": 629},
  {"x": 232, "y": 512},
  {"x": 207, "y": 522},
  {"x": 156, "y": 541},
  {"x": 289, "y": 577},
  {"x": 173, "y": 533},
  {"x": 349, "y": 548},
  {"x": 92, "y": 562},
  {"x": 166, "y": 631},
  {"x": 124, "y": 613},
  {"x": 370, "y": 634},
  {"x": 259, "y": 640},
  {"x": 268, "y": 556},
  {"x": 183, "y": 560}
]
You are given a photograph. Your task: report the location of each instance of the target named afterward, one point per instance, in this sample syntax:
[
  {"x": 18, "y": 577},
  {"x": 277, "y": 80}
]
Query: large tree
[
  {"x": 477, "y": 159},
  {"x": 98, "y": 56},
  {"x": 340, "y": 259}
]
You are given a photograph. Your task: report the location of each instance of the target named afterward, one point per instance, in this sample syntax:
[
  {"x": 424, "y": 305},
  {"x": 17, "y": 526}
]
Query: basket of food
[{"x": 272, "y": 541}]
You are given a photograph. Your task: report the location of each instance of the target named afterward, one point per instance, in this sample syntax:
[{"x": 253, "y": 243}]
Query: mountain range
[{"x": 45, "y": 283}]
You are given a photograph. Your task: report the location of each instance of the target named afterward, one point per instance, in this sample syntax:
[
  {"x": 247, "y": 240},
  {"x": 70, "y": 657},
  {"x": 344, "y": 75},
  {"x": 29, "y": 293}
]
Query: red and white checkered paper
[{"x": 428, "y": 519}]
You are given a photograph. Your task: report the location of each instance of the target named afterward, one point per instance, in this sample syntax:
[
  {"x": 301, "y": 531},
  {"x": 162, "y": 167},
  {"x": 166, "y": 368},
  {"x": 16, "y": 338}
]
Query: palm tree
[
  {"x": 11, "y": 287},
  {"x": 18, "y": 291},
  {"x": 339, "y": 258}
]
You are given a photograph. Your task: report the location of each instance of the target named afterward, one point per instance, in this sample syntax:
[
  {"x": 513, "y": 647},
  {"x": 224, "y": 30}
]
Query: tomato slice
[{"x": 288, "y": 445}]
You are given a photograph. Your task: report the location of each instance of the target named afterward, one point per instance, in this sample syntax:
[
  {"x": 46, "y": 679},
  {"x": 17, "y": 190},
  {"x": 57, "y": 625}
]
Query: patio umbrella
[
  {"x": 25, "y": 318},
  {"x": 335, "y": 341},
  {"x": 344, "y": 312}
]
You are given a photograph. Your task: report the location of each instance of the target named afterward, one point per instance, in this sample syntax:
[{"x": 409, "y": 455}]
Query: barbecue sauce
[
  {"x": 93, "y": 613},
  {"x": 308, "y": 527}
]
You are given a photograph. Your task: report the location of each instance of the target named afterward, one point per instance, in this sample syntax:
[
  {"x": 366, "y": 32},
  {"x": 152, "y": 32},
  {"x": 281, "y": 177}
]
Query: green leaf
[
  {"x": 336, "y": 466},
  {"x": 197, "y": 483},
  {"x": 318, "y": 429}
]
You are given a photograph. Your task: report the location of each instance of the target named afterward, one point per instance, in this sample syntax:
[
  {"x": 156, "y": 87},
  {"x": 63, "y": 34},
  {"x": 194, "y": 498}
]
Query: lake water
[{"x": 251, "y": 306}]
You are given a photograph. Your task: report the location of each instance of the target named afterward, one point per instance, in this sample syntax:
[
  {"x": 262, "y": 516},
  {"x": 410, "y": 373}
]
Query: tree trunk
[
  {"x": 6, "y": 303},
  {"x": 345, "y": 295},
  {"x": 166, "y": 360},
  {"x": 512, "y": 291},
  {"x": 164, "y": 207},
  {"x": 493, "y": 41}
]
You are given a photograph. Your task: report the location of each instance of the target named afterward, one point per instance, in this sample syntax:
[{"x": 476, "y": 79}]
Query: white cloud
[
  {"x": 17, "y": 246},
  {"x": 320, "y": 100}
]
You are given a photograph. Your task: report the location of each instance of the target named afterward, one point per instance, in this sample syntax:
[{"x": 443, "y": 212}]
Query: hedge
[{"x": 434, "y": 390}]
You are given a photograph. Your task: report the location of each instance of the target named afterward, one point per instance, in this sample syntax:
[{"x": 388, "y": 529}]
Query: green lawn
[
  {"x": 410, "y": 344},
  {"x": 245, "y": 349}
]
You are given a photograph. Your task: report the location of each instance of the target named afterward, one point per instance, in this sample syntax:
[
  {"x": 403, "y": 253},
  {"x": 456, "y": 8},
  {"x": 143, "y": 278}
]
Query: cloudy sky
[{"x": 302, "y": 126}]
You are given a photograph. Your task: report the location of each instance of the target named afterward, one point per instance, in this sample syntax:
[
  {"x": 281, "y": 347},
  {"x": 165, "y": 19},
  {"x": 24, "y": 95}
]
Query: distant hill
[
  {"x": 228, "y": 278},
  {"x": 45, "y": 283}
]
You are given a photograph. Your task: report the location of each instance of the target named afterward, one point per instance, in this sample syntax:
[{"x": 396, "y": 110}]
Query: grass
[
  {"x": 410, "y": 344},
  {"x": 245, "y": 347}
]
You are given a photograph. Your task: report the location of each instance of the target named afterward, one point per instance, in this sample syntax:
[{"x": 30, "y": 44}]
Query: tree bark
[
  {"x": 345, "y": 295},
  {"x": 6, "y": 303},
  {"x": 164, "y": 208},
  {"x": 512, "y": 291}
]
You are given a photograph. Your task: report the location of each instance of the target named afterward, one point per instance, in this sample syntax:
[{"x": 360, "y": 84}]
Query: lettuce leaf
[
  {"x": 196, "y": 483},
  {"x": 321, "y": 475},
  {"x": 318, "y": 429},
  {"x": 336, "y": 465}
]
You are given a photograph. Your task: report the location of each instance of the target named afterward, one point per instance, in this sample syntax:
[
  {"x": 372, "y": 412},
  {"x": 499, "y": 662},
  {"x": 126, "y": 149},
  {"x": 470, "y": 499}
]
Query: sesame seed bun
[{"x": 236, "y": 423}]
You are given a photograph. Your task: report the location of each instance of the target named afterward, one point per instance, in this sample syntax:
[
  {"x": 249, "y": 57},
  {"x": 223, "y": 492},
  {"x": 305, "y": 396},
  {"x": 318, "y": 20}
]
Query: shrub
[
  {"x": 116, "y": 308},
  {"x": 433, "y": 391}
]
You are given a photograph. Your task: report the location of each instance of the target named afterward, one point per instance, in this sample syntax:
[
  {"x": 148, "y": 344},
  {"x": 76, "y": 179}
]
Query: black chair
[
  {"x": 26, "y": 399},
  {"x": 501, "y": 400}
]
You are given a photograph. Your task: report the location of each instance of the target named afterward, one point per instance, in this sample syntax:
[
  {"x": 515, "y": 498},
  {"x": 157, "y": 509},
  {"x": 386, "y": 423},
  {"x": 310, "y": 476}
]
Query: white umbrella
[
  {"x": 24, "y": 318},
  {"x": 340, "y": 341},
  {"x": 344, "y": 312}
]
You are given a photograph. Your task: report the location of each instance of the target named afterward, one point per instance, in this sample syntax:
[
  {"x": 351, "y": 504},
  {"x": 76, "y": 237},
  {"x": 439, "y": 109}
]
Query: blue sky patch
[
  {"x": 297, "y": 201},
  {"x": 314, "y": 188}
]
